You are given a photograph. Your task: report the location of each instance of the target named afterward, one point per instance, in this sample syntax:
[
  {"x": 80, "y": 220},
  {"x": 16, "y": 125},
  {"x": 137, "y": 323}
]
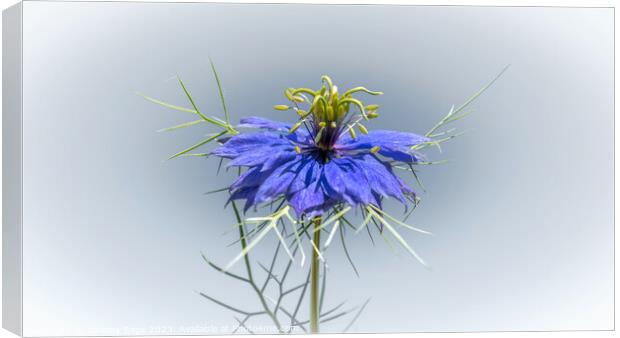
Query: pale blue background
[{"x": 522, "y": 213}]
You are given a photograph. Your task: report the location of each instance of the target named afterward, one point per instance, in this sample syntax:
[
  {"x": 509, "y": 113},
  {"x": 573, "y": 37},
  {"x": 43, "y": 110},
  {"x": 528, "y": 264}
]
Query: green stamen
[
  {"x": 362, "y": 129},
  {"x": 352, "y": 132},
  {"x": 295, "y": 127}
]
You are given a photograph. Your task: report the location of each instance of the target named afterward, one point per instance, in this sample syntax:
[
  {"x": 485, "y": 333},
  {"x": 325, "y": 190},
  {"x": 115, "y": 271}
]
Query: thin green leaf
[
  {"x": 331, "y": 234},
  {"x": 364, "y": 223},
  {"x": 398, "y": 237},
  {"x": 482, "y": 90},
  {"x": 195, "y": 155},
  {"x": 399, "y": 222},
  {"x": 242, "y": 324},
  {"x": 452, "y": 114},
  {"x": 346, "y": 252},
  {"x": 219, "y": 87},
  {"x": 199, "y": 144},
  {"x": 284, "y": 245},
  {"x": 332, "y": 310},
  {"x": 217, "y": 190},
  {"x": 167, "y": 105},
  {"x": 298, "y": 241},
  {"x": 182, "y": 125},
  {"x": 222, "y": 270},
  {"x": 332, "y": 219},
  {"x": 191, "y": 100},
  {"x": 232, "y": 308},
  {"x": 356, "y": 316},
  {"x": 250, "y": 246}
]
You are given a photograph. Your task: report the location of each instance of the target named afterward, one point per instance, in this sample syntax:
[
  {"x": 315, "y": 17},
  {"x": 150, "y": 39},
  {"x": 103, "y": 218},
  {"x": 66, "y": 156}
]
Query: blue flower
[{"x": 316, "y": 166}]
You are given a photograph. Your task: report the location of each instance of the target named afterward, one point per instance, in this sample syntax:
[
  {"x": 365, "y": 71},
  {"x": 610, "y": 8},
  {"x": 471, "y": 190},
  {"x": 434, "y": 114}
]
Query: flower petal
[
  {"x": 277, "y": 182},
  {"x": 300, "y": 135},
  {"x": 311, "y": 197},
  {"x": 263, "y": 123},
  {"x": 380, "y": 177},
  {"x": 241, "y": 144},
  {"x": 356, "y": 186},
  {"x": 393, "y": 144}
]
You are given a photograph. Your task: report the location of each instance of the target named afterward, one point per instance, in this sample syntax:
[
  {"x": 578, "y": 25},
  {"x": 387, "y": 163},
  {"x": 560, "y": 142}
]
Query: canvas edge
[{"x": 12, "y": 169}]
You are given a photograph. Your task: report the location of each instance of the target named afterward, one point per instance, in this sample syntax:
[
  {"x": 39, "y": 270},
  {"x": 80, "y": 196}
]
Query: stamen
[
  {"x": 330, "y": 113},
  {"x": 375, "y": 149},
  {"x": 317, "y": 138},
  {"x": 295, "y": 127},
  {"x": 302, "y": 113},
  {"x": 281, "y": 107},
  {"x": 288, "y": 94},
  {"x": 362, "y": 129},
  {"x": 297, "y": 149},
  {"x": 352, "y": 132}
]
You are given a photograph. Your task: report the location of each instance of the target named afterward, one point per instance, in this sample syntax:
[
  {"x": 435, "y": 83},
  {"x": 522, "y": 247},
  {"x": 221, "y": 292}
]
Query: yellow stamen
[
  {"x": 372, "y": 115},
  {"x": 318, "y": 136},
  {"x": 288, "y": 94},
  {"x": 352, "y": 132},
  {"x": 281, "y": 107},
  {"x": 295, "y": 127},
  {"x": 330, "y": 113},
  {"x": 297, "y": 149},
  {"x": 362, "y": 129},
  {"x": 375, "y": 149}
]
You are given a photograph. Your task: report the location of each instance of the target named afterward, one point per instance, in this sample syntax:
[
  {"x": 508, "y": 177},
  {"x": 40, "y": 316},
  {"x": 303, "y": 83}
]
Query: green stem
[{"x": 314, "y": 279}]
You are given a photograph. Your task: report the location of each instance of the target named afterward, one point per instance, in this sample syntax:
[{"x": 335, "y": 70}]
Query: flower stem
[{"x": 314, "y": 279}]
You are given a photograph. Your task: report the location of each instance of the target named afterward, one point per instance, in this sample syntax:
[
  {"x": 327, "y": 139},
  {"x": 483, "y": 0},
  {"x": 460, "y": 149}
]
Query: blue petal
[
  {"x": 277, "y": 182},
  {"x": 319, "y": 209},
  {"x": 246, "y": 193},
  {"x": 311, "y": 197},
  {"x": 357, "y": 189},
  {"x": 334, "y": 180},
  {"x": 310, "y": 186},
  {"x": 251, "y": 178},
  {"x": 380, "y": 177},
  {"x": 263, "y": 123},
  {"x": 241, "y": 144},
  {"x": 265, "y": 157},
  {"x": 393, "y": 144},
  {"x": 300, "y": 135},
  {"x": 305, "y": 173}
]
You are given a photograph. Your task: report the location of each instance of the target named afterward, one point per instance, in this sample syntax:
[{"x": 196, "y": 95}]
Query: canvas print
[
  {"x": 316, "y": 171},
  {"x": 219, "y": 169}
]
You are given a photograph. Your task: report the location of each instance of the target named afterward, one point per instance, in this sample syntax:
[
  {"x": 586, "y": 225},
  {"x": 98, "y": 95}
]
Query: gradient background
[{"x": 522, "y": 212}]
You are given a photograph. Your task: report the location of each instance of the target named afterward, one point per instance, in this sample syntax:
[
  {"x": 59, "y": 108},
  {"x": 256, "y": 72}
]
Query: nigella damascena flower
[{"x": 320, "y": 161}]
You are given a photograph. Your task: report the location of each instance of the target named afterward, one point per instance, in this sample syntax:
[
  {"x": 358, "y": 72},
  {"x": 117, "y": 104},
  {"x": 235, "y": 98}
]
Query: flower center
[{"x": 329, "y": 114}]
